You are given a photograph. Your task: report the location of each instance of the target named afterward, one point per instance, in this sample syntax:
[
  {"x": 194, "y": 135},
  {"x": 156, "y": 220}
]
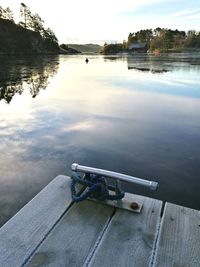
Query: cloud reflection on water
[{"x": 106, "y": 116}]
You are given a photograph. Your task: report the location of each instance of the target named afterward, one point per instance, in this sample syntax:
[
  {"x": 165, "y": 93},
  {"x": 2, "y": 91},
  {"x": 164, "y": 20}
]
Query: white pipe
[{"x": 80, "y": 168}]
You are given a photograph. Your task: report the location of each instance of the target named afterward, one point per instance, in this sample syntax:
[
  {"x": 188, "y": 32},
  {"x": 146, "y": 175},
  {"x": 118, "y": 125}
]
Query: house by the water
[{"x": 138, "y": 47}]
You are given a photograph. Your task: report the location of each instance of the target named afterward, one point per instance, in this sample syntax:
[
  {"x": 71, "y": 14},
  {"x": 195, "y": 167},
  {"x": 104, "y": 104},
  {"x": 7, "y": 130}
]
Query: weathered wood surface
[
  {"x": 179, "y": 238},
  {"x": 53, "y": 231},
  {"x": 130, "y": 237},
  {"x": 21, "y": 235},
  {"x": 74, "y": 237},
  {"x": 127, "y": 237}
]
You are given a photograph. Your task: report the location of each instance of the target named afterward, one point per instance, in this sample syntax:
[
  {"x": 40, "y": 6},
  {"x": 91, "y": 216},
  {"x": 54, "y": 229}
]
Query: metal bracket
[
  {"x": 130, "y": 202},
  {"x": 126, "y": 178}
]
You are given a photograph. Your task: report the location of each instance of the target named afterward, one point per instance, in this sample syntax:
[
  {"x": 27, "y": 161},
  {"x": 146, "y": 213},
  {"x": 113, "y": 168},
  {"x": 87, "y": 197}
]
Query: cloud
[{"x": 193, "y": 13}]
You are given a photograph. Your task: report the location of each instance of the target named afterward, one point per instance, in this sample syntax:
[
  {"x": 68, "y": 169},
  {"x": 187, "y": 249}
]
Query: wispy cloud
[
  {"x": 193, "y": 13},
  {"x": 153, "y": 7}
]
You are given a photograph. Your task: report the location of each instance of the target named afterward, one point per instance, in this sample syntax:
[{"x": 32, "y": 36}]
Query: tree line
[
  {"x": 30, "y": 21},
  {"x": 158, "y": 39}
]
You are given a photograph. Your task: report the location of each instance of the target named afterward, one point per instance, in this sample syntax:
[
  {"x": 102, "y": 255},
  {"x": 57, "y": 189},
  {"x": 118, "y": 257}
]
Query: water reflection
[
  {"x": 103, "y": 115},
  {"x": 33, "y": 73},
  {"x": 163, "y": 63},
  {"x": 143, "y": 62},
  {"x": 148, "y": 69},
  {"x": 146, "y": 63}
]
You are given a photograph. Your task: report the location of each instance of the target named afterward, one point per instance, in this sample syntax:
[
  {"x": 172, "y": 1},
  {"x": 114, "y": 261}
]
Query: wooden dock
[{"x": 52, "y": 231}]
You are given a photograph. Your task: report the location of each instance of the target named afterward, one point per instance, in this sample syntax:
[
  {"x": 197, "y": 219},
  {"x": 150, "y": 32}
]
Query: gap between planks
[{"x": 91, "y": 255}]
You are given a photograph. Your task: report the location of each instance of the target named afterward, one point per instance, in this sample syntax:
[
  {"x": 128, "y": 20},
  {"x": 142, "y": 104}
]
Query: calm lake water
[{"x": 137, "y": 115}]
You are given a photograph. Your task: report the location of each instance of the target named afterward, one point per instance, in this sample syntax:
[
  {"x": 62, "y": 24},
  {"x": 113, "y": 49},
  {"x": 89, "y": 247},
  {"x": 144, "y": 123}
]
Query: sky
[{"x": 92, "y": 21}]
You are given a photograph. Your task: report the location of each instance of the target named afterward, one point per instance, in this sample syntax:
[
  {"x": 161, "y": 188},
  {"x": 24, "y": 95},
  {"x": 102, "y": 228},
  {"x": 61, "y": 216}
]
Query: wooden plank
[
  {"x": 73, "y": 238},
  {"x": 130, "y": 237},
  {"x": 20, "y": 236},
  {"x": 179, "y": 238}
]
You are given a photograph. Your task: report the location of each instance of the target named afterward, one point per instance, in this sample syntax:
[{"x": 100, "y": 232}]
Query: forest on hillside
[
  {"x": 158, "y": 39},
  {"x": 28, "y": 35}
]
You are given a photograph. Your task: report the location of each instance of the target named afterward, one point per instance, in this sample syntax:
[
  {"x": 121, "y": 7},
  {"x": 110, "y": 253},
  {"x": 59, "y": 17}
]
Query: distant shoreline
[{"x": 188, "y": 50}]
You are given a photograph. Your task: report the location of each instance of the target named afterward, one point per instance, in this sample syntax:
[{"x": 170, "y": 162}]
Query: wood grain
[
  {"x": 129, "y": 239},
  {"x": 179, "y": 238},
  {"x": 20, "y": 236},
  {"x": 74, "y": 237}
]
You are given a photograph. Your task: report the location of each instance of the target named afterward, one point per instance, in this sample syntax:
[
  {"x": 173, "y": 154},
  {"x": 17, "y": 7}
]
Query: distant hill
[{"x": 85, "y": 48}]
